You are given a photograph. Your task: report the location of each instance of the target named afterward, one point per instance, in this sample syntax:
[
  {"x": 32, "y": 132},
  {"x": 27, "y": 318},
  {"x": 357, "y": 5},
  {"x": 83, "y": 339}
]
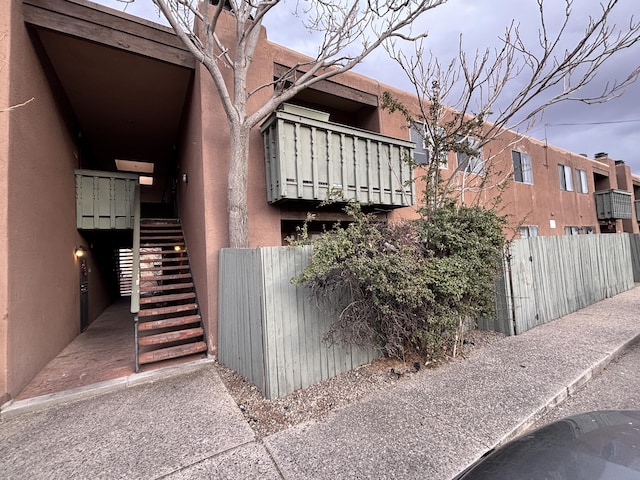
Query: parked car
[{"x": 602, "y": 445}]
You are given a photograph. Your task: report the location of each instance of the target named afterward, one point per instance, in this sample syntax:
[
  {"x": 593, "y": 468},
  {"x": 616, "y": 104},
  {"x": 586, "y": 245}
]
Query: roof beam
[{"x": 105, "y": 26}]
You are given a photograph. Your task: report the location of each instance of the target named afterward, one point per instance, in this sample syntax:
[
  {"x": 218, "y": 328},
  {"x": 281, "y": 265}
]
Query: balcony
[
  {"x": 105, "y": 200},
  {"x": 310, "y": 158},
  {"x": 613, "y": 204}
]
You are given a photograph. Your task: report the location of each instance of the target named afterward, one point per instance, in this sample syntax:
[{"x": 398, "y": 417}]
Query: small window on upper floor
[
  {"x": 527, "y": 231},
  {"x": 572, "y": 230},
  {"x": 566, "y": 177},
  {"x": 581, "y": 181},
  {"x": 420, "y": 135},
  {"x": 468, "y": 162},
  {"x": 522, "y": 171}
]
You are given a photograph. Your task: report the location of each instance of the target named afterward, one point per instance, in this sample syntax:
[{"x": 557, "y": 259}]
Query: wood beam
[
  {"x": 333, "y": 88},
  {"x": 104, "y": 26}
]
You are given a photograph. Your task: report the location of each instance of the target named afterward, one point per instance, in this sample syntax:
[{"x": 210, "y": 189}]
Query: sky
[{"x": 612, "y": 127}]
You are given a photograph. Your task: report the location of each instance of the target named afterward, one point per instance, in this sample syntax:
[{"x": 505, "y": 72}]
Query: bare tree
[
  {"x": 14, "y": 107},
  {"x": 466, "y": 104},
  {"x": 347, "y": 30}
]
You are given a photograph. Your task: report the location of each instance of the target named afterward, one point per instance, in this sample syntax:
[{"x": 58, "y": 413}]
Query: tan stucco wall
[
  {"x": 190, "y": 198},
  {"x": 209, "y": 186},
  {"x": 6, "y": 6},
  {"x": 536, "y": 204},
  {"x": 43, "y": 298},
  {"x": 625, "y": 182}
]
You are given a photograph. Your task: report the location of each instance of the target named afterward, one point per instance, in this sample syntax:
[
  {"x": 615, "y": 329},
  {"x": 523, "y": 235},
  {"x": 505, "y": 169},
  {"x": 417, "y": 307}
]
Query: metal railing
[{"x": 135, "y": 270}]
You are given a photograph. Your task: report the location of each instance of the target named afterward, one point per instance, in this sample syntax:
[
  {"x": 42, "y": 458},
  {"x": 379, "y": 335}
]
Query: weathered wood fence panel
[
  {"x": 634, "y": 241},
  {"x": 270, "y": 331},
  {"x": 553, "y": 276}
]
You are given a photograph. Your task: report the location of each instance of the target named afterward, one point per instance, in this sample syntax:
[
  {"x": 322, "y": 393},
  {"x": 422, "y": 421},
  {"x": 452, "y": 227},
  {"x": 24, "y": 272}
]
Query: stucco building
[{"x": 107, "y": 86}]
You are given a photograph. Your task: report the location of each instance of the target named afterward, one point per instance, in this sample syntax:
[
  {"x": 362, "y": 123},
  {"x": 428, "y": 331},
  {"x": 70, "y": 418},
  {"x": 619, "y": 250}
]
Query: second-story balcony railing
[
  {"x": 309, "y": 158},
  {"x": 613, "y": 204},
  {"x": 105, "y": 200}
]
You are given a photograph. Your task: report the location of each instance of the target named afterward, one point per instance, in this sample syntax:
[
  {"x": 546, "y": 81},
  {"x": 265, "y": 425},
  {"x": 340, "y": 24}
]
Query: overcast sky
[{"x": 612, "y": 127}]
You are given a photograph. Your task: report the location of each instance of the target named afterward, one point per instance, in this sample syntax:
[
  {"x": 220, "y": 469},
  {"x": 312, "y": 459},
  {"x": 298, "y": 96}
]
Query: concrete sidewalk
[{"x": 431, "y": 426}]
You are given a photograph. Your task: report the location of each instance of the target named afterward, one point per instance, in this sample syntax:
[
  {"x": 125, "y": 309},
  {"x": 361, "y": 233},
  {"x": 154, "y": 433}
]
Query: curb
[
  {"x": 582, "y": 380},
  {"x": 14, "y": 408}
]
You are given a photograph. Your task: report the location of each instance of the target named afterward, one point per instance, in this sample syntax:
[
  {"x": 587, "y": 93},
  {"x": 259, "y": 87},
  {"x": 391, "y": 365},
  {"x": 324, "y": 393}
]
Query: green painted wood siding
[
  {"x": 105, "y": 200},
  {"x": 309, "y": 158}
]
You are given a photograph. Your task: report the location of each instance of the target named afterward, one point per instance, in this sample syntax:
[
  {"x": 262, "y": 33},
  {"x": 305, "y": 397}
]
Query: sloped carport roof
[{"x": 123, "y": 80}]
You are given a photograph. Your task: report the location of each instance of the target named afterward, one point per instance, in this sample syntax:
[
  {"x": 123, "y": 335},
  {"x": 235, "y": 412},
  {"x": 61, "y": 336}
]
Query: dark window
[
  {"x": 566, "y": 178},
  {"x": 522, "y": 167}
]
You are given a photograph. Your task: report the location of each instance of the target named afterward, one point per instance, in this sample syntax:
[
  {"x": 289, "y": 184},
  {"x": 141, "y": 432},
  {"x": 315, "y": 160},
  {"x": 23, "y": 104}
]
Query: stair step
[
  {"x": 154, "y": 231},
  {"x": 160, "y": 221},
  {"x": 171, "y": 286},
  {"x": 160, "y": 237},
  {"x": 148, "y": 312},
  {"x": 177, "y": 276},
  {"x": 168, "y": 323},
  {"x": 159, "y": 245},
  {"x": 168, "y": 337},
  {"x": 162, "y": 268},
  {"x": 167, "y": 298},
  {"x": 163, "y": 259},
  {"x": 172, "y": 352}
]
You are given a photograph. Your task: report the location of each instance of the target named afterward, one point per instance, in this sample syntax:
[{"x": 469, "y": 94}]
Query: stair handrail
[{"x": 135, "y": 273}]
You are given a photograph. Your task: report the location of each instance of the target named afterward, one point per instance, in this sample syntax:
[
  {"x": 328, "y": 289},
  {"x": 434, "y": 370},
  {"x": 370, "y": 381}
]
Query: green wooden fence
[
  {"x": 271, "y": 331},
  {"x": 549, "y": 277},
  {"x": 634, "y": 240}
]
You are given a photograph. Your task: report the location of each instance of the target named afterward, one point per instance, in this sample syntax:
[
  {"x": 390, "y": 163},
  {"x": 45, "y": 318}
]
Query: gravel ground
[{"x": 270, "y": 416}]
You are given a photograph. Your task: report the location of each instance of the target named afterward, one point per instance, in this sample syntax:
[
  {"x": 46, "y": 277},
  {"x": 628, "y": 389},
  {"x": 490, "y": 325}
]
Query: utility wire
[{"x": 590, "y": 123}]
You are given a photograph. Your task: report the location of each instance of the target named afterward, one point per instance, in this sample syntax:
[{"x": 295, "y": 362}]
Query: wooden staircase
[{"x": 168, "y": 324}]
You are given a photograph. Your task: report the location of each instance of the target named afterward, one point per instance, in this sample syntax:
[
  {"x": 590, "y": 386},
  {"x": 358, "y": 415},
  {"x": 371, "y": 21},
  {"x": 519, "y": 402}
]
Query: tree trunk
[{"x": 237, "y": 194}]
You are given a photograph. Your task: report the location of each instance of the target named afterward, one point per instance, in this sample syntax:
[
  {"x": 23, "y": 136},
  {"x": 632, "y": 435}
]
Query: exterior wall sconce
[
  {"x": 177, "y": 248},
  {"x": 80, "y": 251},
  {"x": 185, "y": 178}
]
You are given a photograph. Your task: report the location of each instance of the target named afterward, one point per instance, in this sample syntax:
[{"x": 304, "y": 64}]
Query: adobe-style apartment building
[{"x": 114, "y": 98}]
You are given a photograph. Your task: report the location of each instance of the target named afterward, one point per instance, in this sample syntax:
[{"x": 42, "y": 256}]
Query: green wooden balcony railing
[
  {"x": 309, "y": 158},
  {"x": 613, "y": 204},
  {"x": 105, "y": 200}
]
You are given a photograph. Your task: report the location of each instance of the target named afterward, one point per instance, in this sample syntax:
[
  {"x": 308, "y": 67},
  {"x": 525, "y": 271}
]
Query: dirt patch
[{"x": 315, "y": 402}]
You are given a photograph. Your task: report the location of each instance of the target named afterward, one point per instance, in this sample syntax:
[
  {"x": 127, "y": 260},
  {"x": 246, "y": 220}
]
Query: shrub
[{"x": 406, "y": 286}]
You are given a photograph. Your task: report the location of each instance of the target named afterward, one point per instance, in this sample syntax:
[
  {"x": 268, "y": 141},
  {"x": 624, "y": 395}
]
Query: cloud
[{"x": 593, "y": 128}]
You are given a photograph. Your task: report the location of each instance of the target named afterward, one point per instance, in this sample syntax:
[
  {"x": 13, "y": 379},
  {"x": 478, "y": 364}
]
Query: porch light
[
  {"x": 177, "y": 248},
  {"x": 80, "y": 251}
]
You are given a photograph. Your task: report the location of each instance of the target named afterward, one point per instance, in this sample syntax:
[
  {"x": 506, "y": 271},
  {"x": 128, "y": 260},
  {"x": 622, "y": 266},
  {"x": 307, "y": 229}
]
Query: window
[
  {"x": 565, "y": 177},
  {"x": 467, "y": 163},
  {"x": 588, "y": 230},
  {"x": 424, "y": 145},
  {"x": 522, "y": 167},
  {"x": 572, "y": 230},
  {"x": 527, "y": 231},
  {"x": 581, "y": 183}
]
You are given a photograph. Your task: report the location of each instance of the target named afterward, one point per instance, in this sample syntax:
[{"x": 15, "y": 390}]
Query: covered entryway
[{"x": 122, "y": 86}]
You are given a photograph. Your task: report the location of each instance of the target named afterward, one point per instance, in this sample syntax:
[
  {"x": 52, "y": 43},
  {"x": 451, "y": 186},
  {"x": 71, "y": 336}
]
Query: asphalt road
[{"x": 616, "y": 388}]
